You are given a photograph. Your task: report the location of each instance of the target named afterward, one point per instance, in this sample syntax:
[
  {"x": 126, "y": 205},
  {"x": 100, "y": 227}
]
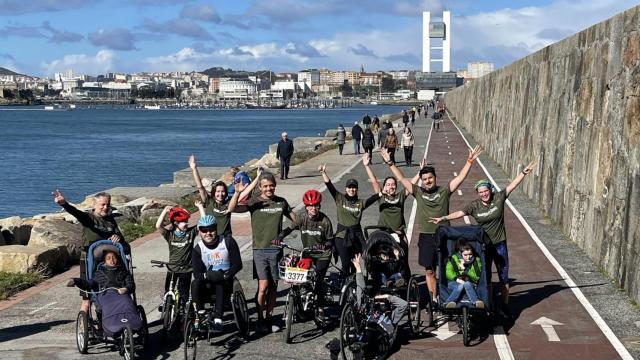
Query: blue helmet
[{"x": 207, "y": 220}]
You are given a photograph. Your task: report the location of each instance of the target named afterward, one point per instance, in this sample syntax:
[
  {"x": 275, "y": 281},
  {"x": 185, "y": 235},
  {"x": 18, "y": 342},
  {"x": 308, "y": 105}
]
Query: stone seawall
[{"x": 574, "y": 107}]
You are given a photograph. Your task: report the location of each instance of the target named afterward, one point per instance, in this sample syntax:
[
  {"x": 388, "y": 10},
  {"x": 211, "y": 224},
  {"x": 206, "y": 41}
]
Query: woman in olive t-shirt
[
  {"x": 488, "y": 211},
  {"x": 349, "y": 239},
  {"x": 217, "y": 203}
]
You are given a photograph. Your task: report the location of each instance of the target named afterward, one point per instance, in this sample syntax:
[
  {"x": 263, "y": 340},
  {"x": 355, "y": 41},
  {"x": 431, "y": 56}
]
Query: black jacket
[
  {"x": 366, "y": 120},
  {"x": 356, "y": 132},
  {"x": 106, "y": 277},
  {"x": 285, "y": 149},
  {"x": 368, "y": 139}
]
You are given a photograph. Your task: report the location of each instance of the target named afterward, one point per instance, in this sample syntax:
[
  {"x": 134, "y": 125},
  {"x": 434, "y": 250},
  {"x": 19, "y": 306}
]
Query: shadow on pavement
[{"x": 20, "y": 331}]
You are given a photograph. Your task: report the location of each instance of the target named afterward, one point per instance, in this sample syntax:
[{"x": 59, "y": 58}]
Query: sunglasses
[{"x": 208, "y": 229}]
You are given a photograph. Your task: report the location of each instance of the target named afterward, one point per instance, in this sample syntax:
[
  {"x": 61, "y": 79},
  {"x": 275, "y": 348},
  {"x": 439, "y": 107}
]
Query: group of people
[
  {"x": 387, "y": 138},
  {"x": 206, "y": 266}
]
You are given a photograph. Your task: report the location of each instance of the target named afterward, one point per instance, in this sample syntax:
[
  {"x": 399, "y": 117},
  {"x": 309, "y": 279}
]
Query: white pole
[{"x": 426, "y": 42}]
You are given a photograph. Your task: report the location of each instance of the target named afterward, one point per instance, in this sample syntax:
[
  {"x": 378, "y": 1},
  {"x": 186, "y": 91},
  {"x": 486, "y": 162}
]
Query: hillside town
[{"x": 219, "y": 84}]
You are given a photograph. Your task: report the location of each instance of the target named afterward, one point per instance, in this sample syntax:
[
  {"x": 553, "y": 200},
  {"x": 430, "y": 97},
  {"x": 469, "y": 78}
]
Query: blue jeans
[
  {"x": 356, "y": 146},
  {"x": 455, "y": 291}
]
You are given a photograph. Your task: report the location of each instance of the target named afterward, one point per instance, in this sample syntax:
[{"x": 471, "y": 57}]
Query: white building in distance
[{"x": 478, "y": 69}]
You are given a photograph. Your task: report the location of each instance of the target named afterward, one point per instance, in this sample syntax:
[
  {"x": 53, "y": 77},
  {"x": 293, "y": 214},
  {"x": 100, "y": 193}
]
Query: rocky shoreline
[{"x": 50, "y": 243}]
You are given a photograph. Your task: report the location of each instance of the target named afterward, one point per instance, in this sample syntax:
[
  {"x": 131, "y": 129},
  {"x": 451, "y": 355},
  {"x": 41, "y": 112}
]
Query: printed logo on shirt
[
  {"x": 433, "y": 197},
  {"x": 312, "y": 232},
  {"x": 389, "y": 201},
  {"x": 351, "y": 209},
  {"x": 214, "y": 258},
  {"x": 222, "y": 212},
  {"x": 488, "y": 212},
  {"x": 179, "y": 244},
  {"x": 271, "y": 210}
]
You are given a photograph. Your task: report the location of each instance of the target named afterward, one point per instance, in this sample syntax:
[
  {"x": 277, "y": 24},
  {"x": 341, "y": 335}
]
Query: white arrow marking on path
[
  {"x": 547, "y": 326},
  {"x": 443, "y": 332}
]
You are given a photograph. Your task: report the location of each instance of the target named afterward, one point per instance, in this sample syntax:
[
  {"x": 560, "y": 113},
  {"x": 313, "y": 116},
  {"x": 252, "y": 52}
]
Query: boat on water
[
  {"x": 49, "y": 107},
  {"x": 152, "y": 107},
  {"x": 373, "y": 103},
  {"x": 256, "y": 106}
]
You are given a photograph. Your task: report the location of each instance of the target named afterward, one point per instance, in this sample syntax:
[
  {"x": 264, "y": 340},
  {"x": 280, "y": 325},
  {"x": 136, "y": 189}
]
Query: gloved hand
[
  {"x": 276, "y": 242},
  {"x": 226, "y": 275},
  {"x": 72, "y": 282},
  {"x": 215, "y": 276}
]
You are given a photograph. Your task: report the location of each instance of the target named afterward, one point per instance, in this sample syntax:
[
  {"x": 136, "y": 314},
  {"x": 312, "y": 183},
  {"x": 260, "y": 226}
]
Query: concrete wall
[{"x": 574, "y": 107}]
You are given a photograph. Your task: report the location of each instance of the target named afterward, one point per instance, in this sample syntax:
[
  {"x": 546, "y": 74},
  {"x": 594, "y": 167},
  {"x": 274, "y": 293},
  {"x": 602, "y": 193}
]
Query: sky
[{"x": 42, "y": 37}]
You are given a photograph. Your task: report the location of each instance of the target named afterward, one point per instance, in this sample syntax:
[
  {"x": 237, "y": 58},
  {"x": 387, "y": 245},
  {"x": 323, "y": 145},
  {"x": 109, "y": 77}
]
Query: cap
[{"x": 352, "y": 183}]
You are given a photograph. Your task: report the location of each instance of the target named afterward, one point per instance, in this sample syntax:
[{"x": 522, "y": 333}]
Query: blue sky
[{"x": 41, "y": 37}]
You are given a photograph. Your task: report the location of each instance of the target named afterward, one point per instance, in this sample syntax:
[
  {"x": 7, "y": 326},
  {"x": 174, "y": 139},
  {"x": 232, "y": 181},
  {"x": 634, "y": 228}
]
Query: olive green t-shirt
[
  {"x": 221, "y": 214},
  {"x": 313, "y": 232},
  {"x": 430, "y": 205},
  {"x": 349, "y": 213},
  {"x": 392, "y": 211},
  {"x": 266, "y": 219},
  {"x": 490, "y": 217},
  {"x": 180, "y": 248}
]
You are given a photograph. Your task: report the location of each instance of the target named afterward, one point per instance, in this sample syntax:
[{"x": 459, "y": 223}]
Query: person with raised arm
[
  {"x": 215, "y": 203},
  {"x": 432, "y": 201},
  {"x": 349, "y": 239},
  {"x": 488, "y": 211},
  {"x": 267, "y": 213}
]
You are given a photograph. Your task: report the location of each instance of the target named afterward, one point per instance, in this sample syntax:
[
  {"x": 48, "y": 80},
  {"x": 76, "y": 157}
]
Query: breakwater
[{"x": 574, "y": 107}]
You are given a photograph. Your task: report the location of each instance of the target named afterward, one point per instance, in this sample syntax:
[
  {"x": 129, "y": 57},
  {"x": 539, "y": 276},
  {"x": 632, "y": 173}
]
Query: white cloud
[{"x": 100, "y": 63}]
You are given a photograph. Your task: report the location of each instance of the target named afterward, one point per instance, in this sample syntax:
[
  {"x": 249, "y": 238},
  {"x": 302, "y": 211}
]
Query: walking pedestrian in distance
[
  {"x": 341, "y": 136},
  {"x": 405, "y": 117},
  {"x": 284, "y": 153},
  {"x": 407, "y": 145},
  {"x": 390, "y": 144},
  {"x": 368, "y": 141},
  {"x": 366, "y": 121},
  {"x": 356, "y": 134}
]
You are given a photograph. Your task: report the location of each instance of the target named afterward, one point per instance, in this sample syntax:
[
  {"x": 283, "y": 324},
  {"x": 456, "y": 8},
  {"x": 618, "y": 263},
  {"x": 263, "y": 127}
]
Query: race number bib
[{"x": 294, "y": 275}]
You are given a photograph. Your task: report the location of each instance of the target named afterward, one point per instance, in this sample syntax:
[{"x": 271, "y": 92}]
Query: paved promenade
[{"x": 597, "y": 322}]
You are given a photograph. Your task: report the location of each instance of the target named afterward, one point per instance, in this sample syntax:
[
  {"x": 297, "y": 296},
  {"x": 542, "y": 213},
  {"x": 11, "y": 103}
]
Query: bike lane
[{"x": 548, "y": 317}]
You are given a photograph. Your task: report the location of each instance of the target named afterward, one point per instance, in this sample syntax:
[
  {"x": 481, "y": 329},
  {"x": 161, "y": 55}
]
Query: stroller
[
  {"x": 366, "y": 328},
  {"x": 119, "y": 320},
  {"x": 469, "y": 317}
]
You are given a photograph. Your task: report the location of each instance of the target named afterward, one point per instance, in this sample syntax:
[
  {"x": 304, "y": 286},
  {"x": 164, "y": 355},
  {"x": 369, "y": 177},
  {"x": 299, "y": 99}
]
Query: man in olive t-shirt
[{"x": 267, "y": 211}]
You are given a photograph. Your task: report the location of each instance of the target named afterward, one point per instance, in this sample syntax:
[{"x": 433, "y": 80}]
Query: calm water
[{"x": 88, "y": 150}]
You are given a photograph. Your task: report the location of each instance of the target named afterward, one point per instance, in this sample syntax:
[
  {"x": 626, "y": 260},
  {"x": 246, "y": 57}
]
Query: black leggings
[
  {"x": 392, "y": 154},
  {"x": 321, "y": 270},
  {"x": 408, "y": 154},
  {"x": 369, "y": 150},
  {"x": 183, "y": 280},
  {"x": 340, "y": 148},
  {"x": 201, "y": 291},
  {"x": 346, "y": 253}
]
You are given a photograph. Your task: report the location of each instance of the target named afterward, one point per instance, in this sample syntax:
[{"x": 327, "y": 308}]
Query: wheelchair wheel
[
  {"x": 190, "y": 340},
  {"x": 348, "y": 293},
  {"x": 349, "y": 334},
  {"x": 466, "y": 336},
  {"x": 289, "y": 314},
  {"x": 82, "y": 332},
  {"x": 413, "y": 306},
  {"x": 144, "y": 331},
  {"x": 128, "y": 346},
  {"x": 429, "y": 309},
  {"x": 241, "y": 313}
]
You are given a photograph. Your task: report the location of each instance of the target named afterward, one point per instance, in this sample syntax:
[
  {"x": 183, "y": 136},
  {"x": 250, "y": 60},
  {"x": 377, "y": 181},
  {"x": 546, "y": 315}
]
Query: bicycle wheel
[
  {"x": 241, "y": 313},
  {"x": 128, "y": 346},
  {"x": 413, "y": 306},
  {"x": 190, "y": 341},
  {"x": 429, "y": 309},
  {"x": 466, "y": 336},
  {"x": 144, "y": 331},
  {"x": 82, "y": 332},
  {"x": 289, "y": 314},
  {"x": 167, "y": 315},
  {"x": 348, "y": 293}
]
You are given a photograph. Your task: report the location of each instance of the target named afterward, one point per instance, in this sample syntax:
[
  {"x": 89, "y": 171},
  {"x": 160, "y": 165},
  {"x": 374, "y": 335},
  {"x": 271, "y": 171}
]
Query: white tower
[{"x": 437, "y": 30}]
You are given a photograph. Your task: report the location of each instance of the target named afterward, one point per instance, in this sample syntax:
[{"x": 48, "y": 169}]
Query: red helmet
[
  {"x": 178, "y": 215},
  {"x": 312, "y": 197}
]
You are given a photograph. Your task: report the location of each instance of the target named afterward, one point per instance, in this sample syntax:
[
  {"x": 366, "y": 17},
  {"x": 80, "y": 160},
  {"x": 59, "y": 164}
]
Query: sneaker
[
  {"x": 479, "y": 304},
  {"x": 261, "y": 327},
  {"x": 160, "y": 307},
  {"x": 272, "y": 326},
  {"x": 217, "y": 325},
  {"x": 451, "y": 305}
]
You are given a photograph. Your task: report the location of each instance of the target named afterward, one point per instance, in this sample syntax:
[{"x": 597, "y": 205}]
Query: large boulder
[
  {"x": 2, "y": 241},
  {"x": 16, "y": 231},
  {"x": 152, "y": 209},
  {"x": 134, "y": 209},
  {"x": 20, "y": 258},
  {"x": 116, "y": 199},
  {"x": 56, "y": 233}
]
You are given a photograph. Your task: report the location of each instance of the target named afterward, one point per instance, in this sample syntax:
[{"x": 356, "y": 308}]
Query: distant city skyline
[{"x": 42, "y": 37}]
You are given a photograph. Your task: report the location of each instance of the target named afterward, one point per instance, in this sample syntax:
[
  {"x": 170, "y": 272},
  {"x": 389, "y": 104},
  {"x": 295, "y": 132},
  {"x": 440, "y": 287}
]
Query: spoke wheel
[
  {"x": 82, "y": 332},
  {"x": 167, "y": 315},
  {"x": 128, "y": 346},
  {"x": 190, "y": 341},
  {"x": 413, "y": 299},
  {"x": 349, "y": 333},
  {"x": 289, "y": 314},
  {"x": 348, "y": 293},
  {"x": 144, "y": 331}
]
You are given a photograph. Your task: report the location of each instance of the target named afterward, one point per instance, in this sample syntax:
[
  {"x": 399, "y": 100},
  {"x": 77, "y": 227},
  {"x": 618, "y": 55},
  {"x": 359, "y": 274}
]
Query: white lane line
[
  {"x": 502, "y": 344},
  {"x": 414, "y": 206},
  {"x": 455, "y": 174},
  {"x": 606, "y": 330},
  {"x": 466, "y": 220},
  {"x": 459, "y": 192},
  {"x": 42, "y": 307}
]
